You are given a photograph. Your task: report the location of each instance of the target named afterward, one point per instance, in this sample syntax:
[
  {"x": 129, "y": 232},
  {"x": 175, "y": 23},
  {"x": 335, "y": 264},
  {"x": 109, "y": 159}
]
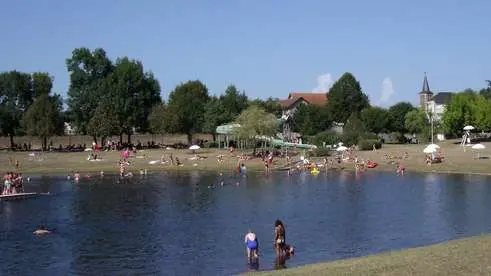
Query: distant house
[
  {"x": 434, "y": 104},
  {"x": 294, "y": 100},
  {"x": 69, "y": 130}
]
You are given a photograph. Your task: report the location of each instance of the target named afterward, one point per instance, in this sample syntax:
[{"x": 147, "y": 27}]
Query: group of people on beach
[
  {"x": 282, "y": 249},
  {"x": 12, "y": 183}
]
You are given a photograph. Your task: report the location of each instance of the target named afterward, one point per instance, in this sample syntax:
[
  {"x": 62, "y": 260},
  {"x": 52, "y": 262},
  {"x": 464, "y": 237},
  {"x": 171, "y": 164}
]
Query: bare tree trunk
[
  {"x": 11, "y": 136},
  {"x": 190, "y": 138},
  {"x": 121, "y": 137},
  {"x": 129, "y": 137}
]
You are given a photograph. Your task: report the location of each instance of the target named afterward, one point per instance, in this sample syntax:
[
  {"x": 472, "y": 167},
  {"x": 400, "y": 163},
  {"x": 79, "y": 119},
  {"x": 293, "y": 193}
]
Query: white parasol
[
  {"x": 468, "y": 128},
  {"x": 429, "y": 150},
  {"x": 194, "y": 147},
  {"x": 478, "y": 146},
  {"x": 433, "y": 146},
  {"x": 341, "y": 148}
]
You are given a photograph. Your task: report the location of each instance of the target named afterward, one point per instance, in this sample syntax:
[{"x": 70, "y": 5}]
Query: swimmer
[
  {"x": 42, "y": 231},
  {"x": 252, "y": 245},
  {"x": 76, "y": 176}
]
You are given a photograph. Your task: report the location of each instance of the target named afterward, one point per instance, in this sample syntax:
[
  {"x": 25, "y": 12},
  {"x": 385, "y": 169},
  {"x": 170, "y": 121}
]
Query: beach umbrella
[
  {"x": 478, "y": 147},
  {"x": 194, "y": 147},
  {"x": 435, "y": 146},
  {"x": 429, "y": 150},
  {"x": 468, "y": 128},
  {"x": 341, "y": 148}
]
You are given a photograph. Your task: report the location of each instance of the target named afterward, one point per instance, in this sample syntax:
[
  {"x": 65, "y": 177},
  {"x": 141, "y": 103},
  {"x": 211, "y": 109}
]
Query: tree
[
  {"x": 311, "y": 119},
  {"x": 234, "y": 101},
  {"x": 88, "y": 71},
  {"x": 482, "y": 112},
  {"x": 16, "y": 95},
  {"x": 255, "y": 121},
  {"x": 486, "y": 92},
  {"x": 188, "y": 102},
  {"x": 161, "y": 120},
  {"x": 345, "y": 97},
  {"x": 459, "y": 112},
  {"x": 104, "y": 123},
  {"x": 375, "y": 119},
  {"x": 397, "y": 115},
  {"x": 216, "y": 114},
  {"x": 353, "y": 129},
  {"x": 270, "y": 105},
  {"x": 41, "y": 84},
  {"x": 42, "y": 118},
  {"x": 416, "y": 121},
  {"x": 133, "y": 94}
]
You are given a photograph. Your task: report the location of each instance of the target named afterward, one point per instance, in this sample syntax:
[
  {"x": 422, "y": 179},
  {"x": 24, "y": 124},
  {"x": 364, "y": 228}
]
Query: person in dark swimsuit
[{"x": 279, "y": 237}]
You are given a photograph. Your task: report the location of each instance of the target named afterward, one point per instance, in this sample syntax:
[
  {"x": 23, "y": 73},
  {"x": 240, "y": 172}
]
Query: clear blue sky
[{"x": 267, "y": 48}]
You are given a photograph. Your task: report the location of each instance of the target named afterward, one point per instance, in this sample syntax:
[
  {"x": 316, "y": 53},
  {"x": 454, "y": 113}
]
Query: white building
[{"x": 434, "y": 104}]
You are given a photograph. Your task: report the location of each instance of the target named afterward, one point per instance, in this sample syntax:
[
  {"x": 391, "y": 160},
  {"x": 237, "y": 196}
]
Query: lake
[{"x": 175, "y": 224}]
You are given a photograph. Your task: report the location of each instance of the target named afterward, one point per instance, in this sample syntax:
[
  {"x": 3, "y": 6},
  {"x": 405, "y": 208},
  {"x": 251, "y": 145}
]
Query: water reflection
[{"x": 174, "y": 224}]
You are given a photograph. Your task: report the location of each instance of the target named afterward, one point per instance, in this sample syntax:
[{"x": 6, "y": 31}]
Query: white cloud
[
  {"x": 387, "y": 90},
  {"x": 324, "y": 83}
]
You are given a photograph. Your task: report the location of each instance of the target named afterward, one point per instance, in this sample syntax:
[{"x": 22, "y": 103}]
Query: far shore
[
  {"x": 468, "y": 256},
  {"x": 411, "y": 156}
]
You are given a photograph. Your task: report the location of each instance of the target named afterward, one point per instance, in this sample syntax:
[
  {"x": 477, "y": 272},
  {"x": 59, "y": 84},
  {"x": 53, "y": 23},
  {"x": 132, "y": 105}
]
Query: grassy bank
[
  {"x": 470, "y": 256},
  {"x": 456, "y": 161}
]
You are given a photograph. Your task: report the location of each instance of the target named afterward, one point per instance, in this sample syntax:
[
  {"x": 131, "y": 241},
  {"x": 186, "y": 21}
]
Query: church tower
[{"x": 425, "y": 95}]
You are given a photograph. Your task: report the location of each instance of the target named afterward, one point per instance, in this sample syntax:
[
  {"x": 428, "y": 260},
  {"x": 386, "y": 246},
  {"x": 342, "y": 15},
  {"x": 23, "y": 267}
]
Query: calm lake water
[{"x": 170, "y": 224}]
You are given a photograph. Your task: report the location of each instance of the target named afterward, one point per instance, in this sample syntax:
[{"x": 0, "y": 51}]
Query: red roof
[{"x": 311, "y": 98}]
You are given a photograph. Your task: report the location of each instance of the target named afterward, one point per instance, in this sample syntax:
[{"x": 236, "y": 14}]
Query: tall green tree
[
  {"x": 88, "y": 71},
  {"x": 104, "y": 123},
  {"x": 133, "y": 94},
  {"x": 42, "y": 83},
  {"x": 346, "y": 97},
  {"x": 311, "y": 119},
  {"x": 486, "y": 92},
  {"x": 216, "y": 114},
  {"x": 234, "y": 101},
  {"x": 255, "y": 121},
  {"x": 42, "y": 118},
  {"x": 459, "y": 112},
  {"x": 416, "y": 121},
  {"x": 16, "y": 95},
  {"x": 397, "y": 115},
  {"x": 270, "y": 105},
  {"x": 375, "y": 119},
  {"x": 161, "y": 120},
  {"x": 188, "y": 102},
  {"x": 482, "y": 113}
]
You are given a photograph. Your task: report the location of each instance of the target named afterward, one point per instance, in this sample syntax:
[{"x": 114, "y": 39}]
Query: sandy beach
[{"x": 456, "y": 160}]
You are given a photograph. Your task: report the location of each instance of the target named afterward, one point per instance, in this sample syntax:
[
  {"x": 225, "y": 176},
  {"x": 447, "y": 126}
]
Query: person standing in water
[
  {"x": 252, "y": 245},
  {"x": 279, "y": 237}
]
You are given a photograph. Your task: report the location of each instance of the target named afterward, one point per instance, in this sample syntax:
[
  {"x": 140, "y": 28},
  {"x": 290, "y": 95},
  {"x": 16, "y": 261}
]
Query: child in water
[{"x": 252, "y": 245}]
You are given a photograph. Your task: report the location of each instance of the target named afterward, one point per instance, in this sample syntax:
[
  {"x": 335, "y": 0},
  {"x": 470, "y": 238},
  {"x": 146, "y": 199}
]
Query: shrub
[
  {"x": 319, "y": 152},
  {"x": 328, "y": 137},
  {"x": 367, "y": 144}
]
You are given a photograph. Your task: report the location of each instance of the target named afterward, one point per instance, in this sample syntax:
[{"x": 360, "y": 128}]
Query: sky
[{"x": 264, "y": 47}]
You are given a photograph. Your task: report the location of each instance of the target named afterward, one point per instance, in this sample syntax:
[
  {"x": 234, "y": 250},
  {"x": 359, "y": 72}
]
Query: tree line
[
  {"x": 108, "y": 98},
  {"x": 118, "y": 98}
]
